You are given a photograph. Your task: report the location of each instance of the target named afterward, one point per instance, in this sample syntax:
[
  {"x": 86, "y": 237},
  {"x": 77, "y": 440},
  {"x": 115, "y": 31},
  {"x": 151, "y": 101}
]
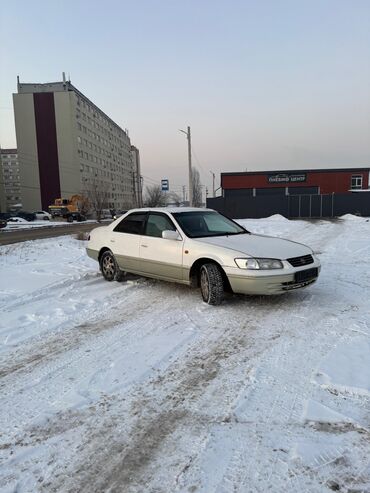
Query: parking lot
[{"x": 140, "y": 386}]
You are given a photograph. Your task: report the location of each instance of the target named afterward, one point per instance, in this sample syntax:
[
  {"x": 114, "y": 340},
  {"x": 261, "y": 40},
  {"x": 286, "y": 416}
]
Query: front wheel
[
  {"x": 211, "y": 284},
  {"x": 109, "y": 267}
]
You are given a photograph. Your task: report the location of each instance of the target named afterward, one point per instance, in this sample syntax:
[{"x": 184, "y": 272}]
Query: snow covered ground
[
  {"x": 20, "y": 223},
  {"x": 139, "y": 386}
]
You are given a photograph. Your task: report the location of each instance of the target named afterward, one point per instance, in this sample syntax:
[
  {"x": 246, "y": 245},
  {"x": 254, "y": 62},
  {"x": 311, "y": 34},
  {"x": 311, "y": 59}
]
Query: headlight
[{"x": 258, "y": 263}]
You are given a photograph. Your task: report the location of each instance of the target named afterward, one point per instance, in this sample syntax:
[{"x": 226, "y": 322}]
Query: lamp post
[{"x": 188, "y": 135}]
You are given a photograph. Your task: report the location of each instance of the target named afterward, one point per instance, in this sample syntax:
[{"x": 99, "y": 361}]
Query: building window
[{"x": 356, "y": 182}]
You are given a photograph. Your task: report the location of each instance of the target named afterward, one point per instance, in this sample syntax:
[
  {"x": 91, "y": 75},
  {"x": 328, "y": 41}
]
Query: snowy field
[{"x": 141, "y": 387}]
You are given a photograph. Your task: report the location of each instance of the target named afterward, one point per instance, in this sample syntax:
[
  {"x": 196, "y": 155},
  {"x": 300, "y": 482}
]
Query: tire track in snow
[
  {"x": 180, "y": 391},
  {"x": 274, "y": 405},
  {"x": 77, "y": 361},
  {"x": 73, "y": 330}
]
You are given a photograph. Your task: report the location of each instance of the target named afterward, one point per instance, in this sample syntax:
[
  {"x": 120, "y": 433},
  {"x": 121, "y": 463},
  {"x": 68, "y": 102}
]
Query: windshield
[{"x": 200, "y": 224}]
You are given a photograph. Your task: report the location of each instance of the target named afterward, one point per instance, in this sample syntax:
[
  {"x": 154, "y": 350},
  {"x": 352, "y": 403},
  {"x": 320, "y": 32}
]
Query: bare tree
[
  {"x": 174, "y": 198},
  {"x": 84, "y": 205},
  {"x": 197, "y": 188},
  {"x": 97, "y": 192},
  {"x": 154, "y": 197}
]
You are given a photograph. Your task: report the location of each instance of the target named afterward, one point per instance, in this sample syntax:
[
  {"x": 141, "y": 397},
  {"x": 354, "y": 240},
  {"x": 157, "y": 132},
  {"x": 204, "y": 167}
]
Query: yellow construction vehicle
[{"x": 61, "y": 206}]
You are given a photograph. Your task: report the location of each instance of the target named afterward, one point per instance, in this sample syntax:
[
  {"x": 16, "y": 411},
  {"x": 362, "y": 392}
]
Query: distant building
[
  {"x": 302, "y": 182},
  {"x": 305, "y": 193},
  {"x": 67, "y": 145},
  {"x": 2, "y": 192},
  {"x": 137, "y": 176},
  {"x": 10, "y": 191}
]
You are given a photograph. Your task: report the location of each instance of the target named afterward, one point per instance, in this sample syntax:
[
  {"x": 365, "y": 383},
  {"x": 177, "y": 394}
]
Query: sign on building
[
  {"x": 287, "y": 178},
  {"x": 165, "y": 185}
]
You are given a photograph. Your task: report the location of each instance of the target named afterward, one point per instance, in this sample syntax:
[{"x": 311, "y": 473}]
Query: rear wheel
[
  {"x": 211, "y": 284},
  {"x": 109, "y": 267}
]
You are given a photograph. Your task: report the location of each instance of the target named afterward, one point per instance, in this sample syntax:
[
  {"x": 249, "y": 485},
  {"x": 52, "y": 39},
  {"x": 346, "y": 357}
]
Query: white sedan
[
  {"x": 201, "y": 247},
  {"x": 43, "y": 215}
]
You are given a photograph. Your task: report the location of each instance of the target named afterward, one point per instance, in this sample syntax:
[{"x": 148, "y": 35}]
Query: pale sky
[{"x": 264, "y": 84}]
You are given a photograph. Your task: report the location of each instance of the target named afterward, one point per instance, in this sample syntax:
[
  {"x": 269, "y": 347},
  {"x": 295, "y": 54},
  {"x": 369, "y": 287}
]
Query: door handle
[{"x": 144, "y": 246}]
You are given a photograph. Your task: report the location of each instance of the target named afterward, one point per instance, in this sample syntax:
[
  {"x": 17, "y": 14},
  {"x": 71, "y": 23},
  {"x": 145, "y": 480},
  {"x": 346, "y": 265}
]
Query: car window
[
  {"x": 157, "y": 223},
  {"x": 216, "y": 223},
  {"x": 200, "y": 224},
  {"x": 132, "y": 224}
]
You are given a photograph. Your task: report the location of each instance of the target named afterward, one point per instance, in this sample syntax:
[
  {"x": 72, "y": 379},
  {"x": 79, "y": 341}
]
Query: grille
[{"x": 300, "y": 261}]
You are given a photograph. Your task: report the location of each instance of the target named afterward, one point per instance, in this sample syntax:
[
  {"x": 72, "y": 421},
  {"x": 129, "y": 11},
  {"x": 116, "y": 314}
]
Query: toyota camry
[{"x": 201, "y": 248}]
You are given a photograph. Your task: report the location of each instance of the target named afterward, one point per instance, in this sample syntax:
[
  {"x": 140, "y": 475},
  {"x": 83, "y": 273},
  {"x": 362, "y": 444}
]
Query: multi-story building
[
  {"x": 10, "y": 191},
  {"x": 67, "y": 145}
]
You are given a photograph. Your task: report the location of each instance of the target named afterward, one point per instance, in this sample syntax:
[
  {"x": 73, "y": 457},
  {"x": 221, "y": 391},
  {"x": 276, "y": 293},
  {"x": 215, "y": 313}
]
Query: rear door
[
  {"x": 159, "y": 257},
  {"x": 125, "y": 241}
]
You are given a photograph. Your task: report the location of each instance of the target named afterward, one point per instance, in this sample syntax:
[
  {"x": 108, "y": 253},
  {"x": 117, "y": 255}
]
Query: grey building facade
[
  {"x": 67, "y": 145},
  {"x": 10, "y": 190}
]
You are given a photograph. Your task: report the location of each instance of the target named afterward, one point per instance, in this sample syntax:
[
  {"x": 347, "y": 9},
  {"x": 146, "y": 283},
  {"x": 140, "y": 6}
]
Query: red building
[{"x": 302, "y": 182}]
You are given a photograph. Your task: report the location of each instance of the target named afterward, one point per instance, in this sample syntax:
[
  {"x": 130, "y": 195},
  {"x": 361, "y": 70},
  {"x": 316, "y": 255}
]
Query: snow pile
[
  {"x": 347, "y": 368},
  {"x": 20, "y": 223},
  {"x": 352, "y": 217},
  {"x": 276, "y": 217}
]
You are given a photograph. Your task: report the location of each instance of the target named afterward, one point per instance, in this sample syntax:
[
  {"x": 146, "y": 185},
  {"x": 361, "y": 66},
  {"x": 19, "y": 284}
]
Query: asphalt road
[{"x": 8, "y": 237}]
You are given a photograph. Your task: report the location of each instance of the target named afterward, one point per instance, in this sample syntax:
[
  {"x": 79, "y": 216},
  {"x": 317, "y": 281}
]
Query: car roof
[{"x": 171, "y": 209}]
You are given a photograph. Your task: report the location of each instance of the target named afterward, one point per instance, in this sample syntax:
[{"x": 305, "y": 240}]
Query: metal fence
[{"x": 240, "y": 205}]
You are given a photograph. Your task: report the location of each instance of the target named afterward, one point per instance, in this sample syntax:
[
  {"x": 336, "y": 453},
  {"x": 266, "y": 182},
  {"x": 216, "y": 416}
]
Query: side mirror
[{"x": 167, "y": 234}]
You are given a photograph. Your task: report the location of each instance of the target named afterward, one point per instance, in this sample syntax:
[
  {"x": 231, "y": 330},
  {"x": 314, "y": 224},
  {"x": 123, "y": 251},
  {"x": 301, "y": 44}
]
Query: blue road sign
[{"x": 165, "y": 185}]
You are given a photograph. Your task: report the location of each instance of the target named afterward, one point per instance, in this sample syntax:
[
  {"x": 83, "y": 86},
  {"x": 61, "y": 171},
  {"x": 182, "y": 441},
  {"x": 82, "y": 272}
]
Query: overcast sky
[{"x": 264, "y": 84}]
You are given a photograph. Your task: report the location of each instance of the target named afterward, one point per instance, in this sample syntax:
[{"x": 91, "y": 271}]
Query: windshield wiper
[{"x": 233, "y": 234}]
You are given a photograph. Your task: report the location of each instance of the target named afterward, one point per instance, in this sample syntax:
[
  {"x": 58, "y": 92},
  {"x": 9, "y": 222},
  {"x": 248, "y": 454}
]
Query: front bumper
[{"x": 266, "y": 283}]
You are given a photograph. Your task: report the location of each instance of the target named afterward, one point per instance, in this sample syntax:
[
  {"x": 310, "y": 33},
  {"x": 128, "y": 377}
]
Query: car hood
[{"x": 259, "y": 246}]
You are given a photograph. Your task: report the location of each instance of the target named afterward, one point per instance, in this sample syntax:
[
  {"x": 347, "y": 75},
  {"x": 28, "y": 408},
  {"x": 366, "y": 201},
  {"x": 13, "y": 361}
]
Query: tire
[
  {"x": 211, "y": 284},
  {"x": 109, "y": 267}
]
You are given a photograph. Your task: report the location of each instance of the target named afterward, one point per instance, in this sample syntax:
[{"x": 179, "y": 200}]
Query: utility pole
[
  {"x": 134, "y": 189},
  {"x": 183, "y": 193},
  {"x": 213, "y": 184},
  {"x": 141, "y": 179},
  {"x": 188, "y": 135}
]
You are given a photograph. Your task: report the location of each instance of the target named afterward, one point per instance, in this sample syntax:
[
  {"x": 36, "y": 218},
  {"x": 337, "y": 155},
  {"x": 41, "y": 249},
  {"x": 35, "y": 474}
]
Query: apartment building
[
  {"x": 10, "y": 191},
  {"x": 67, "y": 145}
]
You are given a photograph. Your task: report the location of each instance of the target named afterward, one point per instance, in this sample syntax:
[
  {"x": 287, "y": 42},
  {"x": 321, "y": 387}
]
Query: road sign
[{"x": 165, "y": 185}]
